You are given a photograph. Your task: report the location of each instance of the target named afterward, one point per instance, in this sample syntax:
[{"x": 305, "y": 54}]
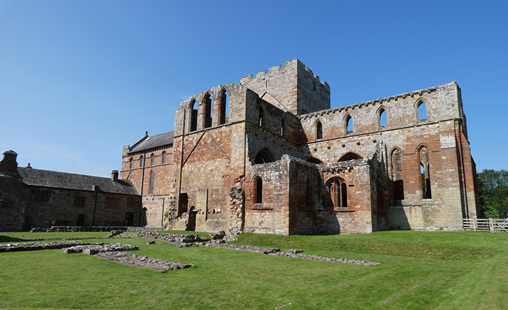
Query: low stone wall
[
  {"x": 35, "y": 246},
  {"x": 79, "y": 229},
  {"x": 94, "y": 248},
  {"x": 173, "y": 238},
  {"x": 289, "y": 253},
  {"x": 328, "y": 259},
  {"x": 248, "y": 248},
  {"x": 141, "y": 261}
]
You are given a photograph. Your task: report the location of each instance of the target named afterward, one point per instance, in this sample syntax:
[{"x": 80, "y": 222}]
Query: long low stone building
[
  {"x": 269, "y": 155},
  {"x": 40, "y": 198}
]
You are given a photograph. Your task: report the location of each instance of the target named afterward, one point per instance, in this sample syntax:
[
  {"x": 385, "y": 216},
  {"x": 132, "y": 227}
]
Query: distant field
[{"x": 418, "y": 270}]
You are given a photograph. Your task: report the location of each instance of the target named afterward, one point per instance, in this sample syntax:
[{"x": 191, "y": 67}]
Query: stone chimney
[
  {"x": 114, "y": 175},
  {"x": 9, "y": 163}
]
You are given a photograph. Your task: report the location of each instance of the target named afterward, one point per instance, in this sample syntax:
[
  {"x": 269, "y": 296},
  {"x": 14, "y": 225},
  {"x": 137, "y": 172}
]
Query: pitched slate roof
[
  {"x": 55, "y": 179},
  {"x": 151, "y": 142}
]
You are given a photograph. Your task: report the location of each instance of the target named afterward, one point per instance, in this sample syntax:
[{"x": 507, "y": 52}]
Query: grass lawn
[{"x": 418, "y": 270}]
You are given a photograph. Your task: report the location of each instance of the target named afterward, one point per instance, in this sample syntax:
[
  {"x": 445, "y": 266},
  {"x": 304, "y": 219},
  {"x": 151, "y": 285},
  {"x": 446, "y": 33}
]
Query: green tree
[{"x": 493, "y": 190}]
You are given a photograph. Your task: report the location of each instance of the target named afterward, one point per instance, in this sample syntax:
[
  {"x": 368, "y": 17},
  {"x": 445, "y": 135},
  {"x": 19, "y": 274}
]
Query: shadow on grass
[{"x": 4, "y": 238}]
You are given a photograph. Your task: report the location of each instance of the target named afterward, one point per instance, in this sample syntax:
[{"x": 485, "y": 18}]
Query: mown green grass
[{"x": 463, "y": 270}]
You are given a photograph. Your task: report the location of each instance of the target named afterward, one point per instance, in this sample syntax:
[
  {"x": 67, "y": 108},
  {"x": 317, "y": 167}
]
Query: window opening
[
  {"x": 338, "y": 193},
  {"x": 194, "y": 118},
  {"x": 41, "y": 195},
  {"x": 163, "y": 157},
  {"x": 112, "y": 203},
  {"x": 79, "y": 201},
  {"x": 261, "y": 116},
  {"x": 383, "y": 118},
  {"x": 258, "y": 190},
  {"x": 131, "y": 163},
  {"x": 224, "y": 103},
  {"x": 397, "y": 175},
  {"x": 141, "y": 161},
  {"x": 319, "y": 130},
  {"x": 152, "y": 179},
  {"x": 425, "y": 173},
  {"x": 208, "y": 111},
  {"x": 349, "y": 124},
  {"x": 283, "y": 127},
  {"x": 152, "y": 160},
  {"x": 81, "y": 220},
  {"x": 129, "y": 219},
  {"x": 422, "y": 112}
]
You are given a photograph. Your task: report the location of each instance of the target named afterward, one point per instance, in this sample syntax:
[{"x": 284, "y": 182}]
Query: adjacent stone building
[
  {"x": 269, "y": 155},
  {"x": 40, "y": 198}
]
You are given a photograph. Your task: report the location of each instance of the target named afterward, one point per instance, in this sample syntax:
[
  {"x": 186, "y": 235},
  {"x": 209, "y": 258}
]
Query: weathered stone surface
[
  {"x": 173, "y": 238},
  {"x": 281, "y": 135},
  {"x": 35, "y": 246},
  {"x": 288, "y": 253},
  {"x": 79, "y": 229},
  {"x": 141, "y": 261},
  {"x": 323, "y": 258}
]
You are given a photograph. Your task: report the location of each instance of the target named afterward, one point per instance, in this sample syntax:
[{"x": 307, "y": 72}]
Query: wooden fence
[{"x": 492, "y": 225}]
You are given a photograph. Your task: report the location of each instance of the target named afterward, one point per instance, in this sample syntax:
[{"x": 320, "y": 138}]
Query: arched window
[
  {"x": 264, "y": 156},
  {"x": 397, "y": 175},
  {"x": 193, "y": 117},
  {"x": 319, "y": 130},
  {"x": 164, "y": 157},
  {"x": 258, "y": 189},
  {"x": 224, "y": 103},
  {"x": 349, "y": 156},
  {"x": 425, "y": 173},
  {"x": 141, "y": 162},
  {"x": 152, "y": 180},
  {"x": 152, "y": 160},
  {"x": 131, "y": 163},
  {"x": 283, "y": 127},
  {"x": 337, "y": 188},
  {"x": 382, "y": 119},
  {"x": 348, "y": 124},
  {"x": 261, "y": 118},
  {"x": 208, "y": 111},
  {"x": 421, "y": 111}
]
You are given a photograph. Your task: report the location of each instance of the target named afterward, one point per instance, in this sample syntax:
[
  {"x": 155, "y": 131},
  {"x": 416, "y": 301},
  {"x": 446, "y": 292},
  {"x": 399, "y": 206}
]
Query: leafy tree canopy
[{"x": 493, "y": 190}]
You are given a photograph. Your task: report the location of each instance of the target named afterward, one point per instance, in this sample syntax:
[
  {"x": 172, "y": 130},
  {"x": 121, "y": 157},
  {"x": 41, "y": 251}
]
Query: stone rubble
[
  {"x": 173, "y": 238},
  {"x": 94, "y": 248},
  {"x": 324, "y": 258},
  {"x": 288, "y": 253},
  {"x": 141, "y": 261},
  {"x": 35, "y": 246}
]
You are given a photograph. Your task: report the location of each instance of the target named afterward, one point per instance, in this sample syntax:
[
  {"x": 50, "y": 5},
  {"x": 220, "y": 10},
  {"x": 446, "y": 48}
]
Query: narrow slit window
[
  {"x": 224, "y": 104},
  {"x": 319, "y": 130},
  {"x": 152, "y": 180},
  {"x": 208, "y": 111},
  {"x": 261, "y": 117},
  {"x": 152, "y": 160},
  {"x": 141, "y": 162},
  {"x": 425, "y": 174},
  {"x": 163, "y": 157},
  {"x": 193, "y": 117},
  {"x": 258, "y": 190}
]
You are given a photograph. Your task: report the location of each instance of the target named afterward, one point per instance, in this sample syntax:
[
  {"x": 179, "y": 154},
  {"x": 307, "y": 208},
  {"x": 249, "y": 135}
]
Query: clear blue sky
[{"x": 80, "y": 79}]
